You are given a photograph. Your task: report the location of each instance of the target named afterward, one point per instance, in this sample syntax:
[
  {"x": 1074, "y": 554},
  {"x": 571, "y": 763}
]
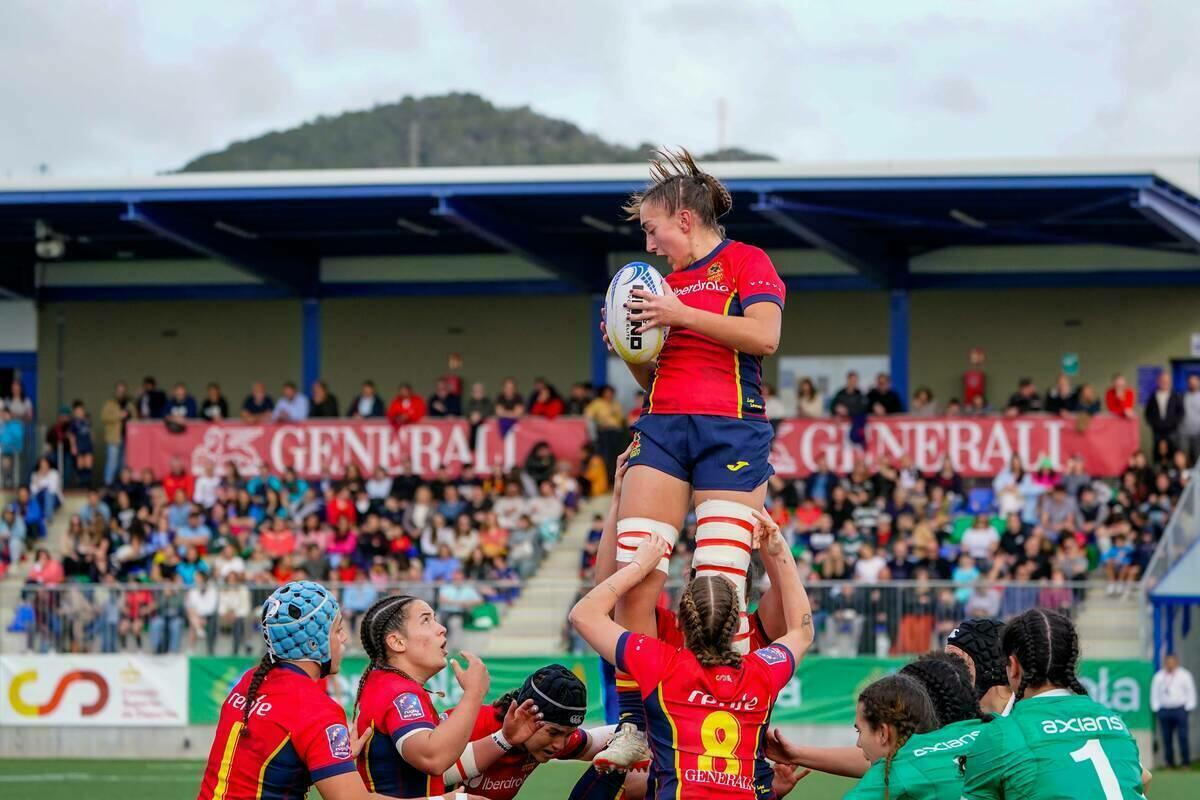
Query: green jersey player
[{"x": 1057, "y": 742}]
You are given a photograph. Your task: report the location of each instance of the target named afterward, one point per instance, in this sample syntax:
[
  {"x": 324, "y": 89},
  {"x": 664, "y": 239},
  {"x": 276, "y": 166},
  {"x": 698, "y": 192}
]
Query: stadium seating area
[{"x": 202, "y": 550}]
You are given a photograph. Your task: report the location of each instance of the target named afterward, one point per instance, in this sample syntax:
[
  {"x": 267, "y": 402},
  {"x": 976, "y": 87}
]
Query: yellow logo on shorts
[
  {"x": 635, "y": 449},
  {"x": 737, "y": 466}
]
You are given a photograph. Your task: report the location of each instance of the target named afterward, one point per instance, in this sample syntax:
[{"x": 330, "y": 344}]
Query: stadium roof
[{"x": 887, "y": 226}]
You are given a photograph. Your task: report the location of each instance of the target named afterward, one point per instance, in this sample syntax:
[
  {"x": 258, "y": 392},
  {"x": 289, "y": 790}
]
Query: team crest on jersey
[
  {"x": 339, "y": 741},
  {"x": 772, "y": 655},
  {"x": 715, "y": 273},
  {"x": 408, "y": 706},
  {"x": 635, "y": 449}
]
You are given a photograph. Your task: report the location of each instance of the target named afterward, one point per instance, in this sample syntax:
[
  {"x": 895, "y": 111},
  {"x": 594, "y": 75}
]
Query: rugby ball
[{"x": 635, "y": 348}]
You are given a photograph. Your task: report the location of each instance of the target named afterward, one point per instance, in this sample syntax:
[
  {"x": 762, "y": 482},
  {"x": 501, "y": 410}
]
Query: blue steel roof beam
[
  {"x": 297, "y": 276},
  {"x": 584, "y": 269},
  {"x": 868, "y": 257},
  {"x": 1173, "y": 214}
]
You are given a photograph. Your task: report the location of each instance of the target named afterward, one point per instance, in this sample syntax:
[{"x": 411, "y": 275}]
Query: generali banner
[
  {"x": 976, "y": 446},
  {"x": 327, "y": 447},
  {"x": 85, "y": 690}
]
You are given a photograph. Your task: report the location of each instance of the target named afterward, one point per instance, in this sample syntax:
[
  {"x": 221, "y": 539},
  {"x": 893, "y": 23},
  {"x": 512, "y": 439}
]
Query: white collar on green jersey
[{"x": 1051, "y": 693}]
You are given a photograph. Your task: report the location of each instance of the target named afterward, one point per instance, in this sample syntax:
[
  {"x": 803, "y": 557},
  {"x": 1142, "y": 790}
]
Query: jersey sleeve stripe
[
  {"x": 403, "y": 732},
  {"x": 741, "y": 523},
  {"x": 761, "y": 298},
  {"x": 340, "y": 768}
]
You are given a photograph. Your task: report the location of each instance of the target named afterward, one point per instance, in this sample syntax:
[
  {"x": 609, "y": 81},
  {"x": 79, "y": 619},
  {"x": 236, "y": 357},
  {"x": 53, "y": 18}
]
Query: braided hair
[
  {"x": 678, "y": 182},
  {"x": 902, "y": 702},
  {"x": 948, "y": 684},
  {"x": 385, "y": 616},
  {"x": 1047, "y": 648},
  {"x": 708, "y": 615},
  {"x": 260, "y": 674}
]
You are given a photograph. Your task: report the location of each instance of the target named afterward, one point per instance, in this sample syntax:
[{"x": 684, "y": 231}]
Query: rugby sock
[
  {"x": 724, "y": 537},
  {"x": 631, "y": 531},
  {"x": 595, "y": 785},
  {"x": 629, "y": 702}
]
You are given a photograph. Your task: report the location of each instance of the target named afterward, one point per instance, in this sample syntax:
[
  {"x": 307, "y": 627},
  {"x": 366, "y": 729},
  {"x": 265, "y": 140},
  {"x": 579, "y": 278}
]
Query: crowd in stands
[{"x": 198, "y": 543}]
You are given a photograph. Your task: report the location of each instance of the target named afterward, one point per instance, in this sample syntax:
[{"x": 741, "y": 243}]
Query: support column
[
  {"x": 898, "y": 341},
  {"x": 599, "y": 351},
  {"x": 310, "y": 344}
]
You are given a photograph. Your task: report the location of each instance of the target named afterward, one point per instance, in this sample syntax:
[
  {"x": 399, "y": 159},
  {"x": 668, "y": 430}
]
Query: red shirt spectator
[
  {"x": 278, "y": 541},
  {"x": 178, "y": 478},
  {"x": 1119, "y": 398},
  {"x": 548, "y": 406},
  {"x": 46, "y": 570},
  {"x": 341, "y": 506},
  {"x": 405, "y": 407}
]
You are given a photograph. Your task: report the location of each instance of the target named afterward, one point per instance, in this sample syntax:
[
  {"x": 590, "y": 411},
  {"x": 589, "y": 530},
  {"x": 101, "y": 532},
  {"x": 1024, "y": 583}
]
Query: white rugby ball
[{"x": 635, "y": 348}]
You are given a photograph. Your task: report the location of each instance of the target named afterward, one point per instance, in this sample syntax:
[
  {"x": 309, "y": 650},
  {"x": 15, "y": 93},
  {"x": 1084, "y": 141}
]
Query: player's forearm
[
  {"x": 793, "y": 599},
  {"x": 599, "y": 603},
  {"x": 849, "y": 762},
  {"x": 758, "y": 337},
  {"x": 435, "y": 751},
  {"x": 606, "y": 551},
  {"x": 475, "y": 760}
]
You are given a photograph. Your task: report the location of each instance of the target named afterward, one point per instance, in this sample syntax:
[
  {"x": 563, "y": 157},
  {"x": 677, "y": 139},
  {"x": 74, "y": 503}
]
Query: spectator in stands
[
  {"x": 292, "y": 405},
  {"x": 12, "y": 445},
  {"x": 165, "y": 628},
  {"x": 1025, "y": 400},
  {"x": 406, "y": 407},
  {"x": 45, "y": 489},
  {"x": 1071, "y": 560},
  {"x": 94, "y": 510},
  {"x": 214, "y": 408},
  {"x": 152, "y": 402},
  {"x": 923, "y": 404},
  {"x": 457, "y": 599},
  {"x": 539, "y": 465},
  {"x": 233, "y": 611},
  {"x": 870, "y": 566},
  {"x": 981, "y": 541},
  {"x": 83, "y": 448},
  {"x": 442, "y": 403},
  {"x": 577, "y": 402},
  {"x": 114, "y": 414},
  {"x": 366, "y": 405},
  {"x": 606, "y": 414},
  {"x": 442, "y": 566},
  {"x": 809, "y": 402},
  {"x": 1164, "y": 413},
  {"x": 1118, "y": 566},
  {"x": 18, "y": 403},
  {"x": 508, "y": 407},
  {"x": 883, "y": 399},
  {"x": 851, "y": 398},
  {"x": 545, "y": 401},
  {"x": 12, "y": 537},
  {"x": 1087, "y": 401},
  {"x": 772, "y": 404},
  {"x": 182, "y": 406},
  {"x": 479, "y": 406},
  {"x": 1189, "y": 427},
  {"x": 1075, "y": 477},
  {"x": 202, "y": 602},
  {"x": 258, "y": 405},
  {"x": 1062, "y": 399},
  {"x": 1058, "y": 511},
  {"x": 1118, "y": 400},
  {"x": 324, "y": 403}
]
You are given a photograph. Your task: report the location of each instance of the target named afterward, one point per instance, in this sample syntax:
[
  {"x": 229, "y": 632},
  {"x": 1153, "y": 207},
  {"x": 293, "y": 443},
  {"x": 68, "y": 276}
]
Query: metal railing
[
  {"x": 892, "y": 618},
  {"x": 1181, "y": 532}
]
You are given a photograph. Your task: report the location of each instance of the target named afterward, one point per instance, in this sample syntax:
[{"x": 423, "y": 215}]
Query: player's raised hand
[
  {"x": 650, "y": 552},
  {"x": 786, "y": 778},
  {"x": 521, "y": 722},
  {"x": 767, "y": 536},
  {"x": 780, "y": 750},
  {"x": 657, "y": 310},
  {"x": 475, "y": 677}
]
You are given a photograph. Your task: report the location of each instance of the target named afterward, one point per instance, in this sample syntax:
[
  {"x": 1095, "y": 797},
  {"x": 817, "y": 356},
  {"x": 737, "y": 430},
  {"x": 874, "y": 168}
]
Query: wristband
[{"x": 501, "y": 742}]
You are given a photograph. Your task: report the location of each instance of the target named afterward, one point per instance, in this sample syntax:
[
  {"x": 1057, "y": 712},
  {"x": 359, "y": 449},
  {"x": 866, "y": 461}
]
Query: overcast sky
[{"x": 122, "y": 88}]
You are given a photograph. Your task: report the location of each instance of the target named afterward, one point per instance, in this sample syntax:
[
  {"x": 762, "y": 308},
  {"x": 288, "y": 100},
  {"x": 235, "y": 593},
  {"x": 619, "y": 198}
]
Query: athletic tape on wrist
[
  {"x": 724, "y": 538},
  {"x": 632, "y": 530}
]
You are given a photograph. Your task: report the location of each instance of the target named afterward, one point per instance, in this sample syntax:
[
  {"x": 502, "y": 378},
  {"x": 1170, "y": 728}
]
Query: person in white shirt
[
  {"x": 1172, "y": 698},
  {"x": 233, "y": 609},
  {"x": 291, "y": 406},
  {"x": 980, "y": 540},
  {"x": 201, "y": 605},
  {"x": 205, "y": 492},
  {"x": 871, "y": 566}
]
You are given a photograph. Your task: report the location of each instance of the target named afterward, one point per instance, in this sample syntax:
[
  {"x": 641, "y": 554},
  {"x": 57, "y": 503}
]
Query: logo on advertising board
[{"x": 29, "y": 708}]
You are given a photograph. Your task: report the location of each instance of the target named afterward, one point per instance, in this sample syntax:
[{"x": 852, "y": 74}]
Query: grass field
[{"x": 179, "y": 780}]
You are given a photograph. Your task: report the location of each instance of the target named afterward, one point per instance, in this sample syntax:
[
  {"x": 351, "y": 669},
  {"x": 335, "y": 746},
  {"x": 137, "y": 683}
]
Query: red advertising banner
[
  {"x": 976, "y": 446},
  {"x": 326, "y": 447}
]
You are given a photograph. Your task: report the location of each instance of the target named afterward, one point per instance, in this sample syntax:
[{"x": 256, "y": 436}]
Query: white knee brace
[
  {"x": 724, "y": 539},
  {"x": 632, "y": 530}
]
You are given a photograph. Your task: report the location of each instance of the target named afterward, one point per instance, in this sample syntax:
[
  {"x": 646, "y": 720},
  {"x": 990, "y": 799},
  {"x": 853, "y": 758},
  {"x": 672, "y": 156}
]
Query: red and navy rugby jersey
[
  {"x": 296, "y": 736},
  {"x": 707, "y": 726},
  {"x": 393, "y": 708},
  {"x": 695, "y": 374}
]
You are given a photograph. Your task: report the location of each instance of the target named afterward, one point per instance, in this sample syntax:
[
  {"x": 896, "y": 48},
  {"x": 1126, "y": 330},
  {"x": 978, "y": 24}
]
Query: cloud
[{"x": 956, "y": 95}]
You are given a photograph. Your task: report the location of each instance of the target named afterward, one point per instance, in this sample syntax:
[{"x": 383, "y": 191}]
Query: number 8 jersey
[
  {"x": 707, "y": 726},
  {"x": 1055, "y": 745}
]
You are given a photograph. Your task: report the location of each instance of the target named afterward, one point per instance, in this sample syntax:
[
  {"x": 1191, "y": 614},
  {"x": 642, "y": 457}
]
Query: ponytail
[{"x": 678, "y": 182}]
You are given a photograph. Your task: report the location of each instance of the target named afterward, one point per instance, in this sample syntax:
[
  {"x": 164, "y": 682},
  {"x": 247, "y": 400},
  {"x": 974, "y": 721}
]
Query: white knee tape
[
  {"x": 632, "y": 530},
  {"x": 724, "y": 537}
]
